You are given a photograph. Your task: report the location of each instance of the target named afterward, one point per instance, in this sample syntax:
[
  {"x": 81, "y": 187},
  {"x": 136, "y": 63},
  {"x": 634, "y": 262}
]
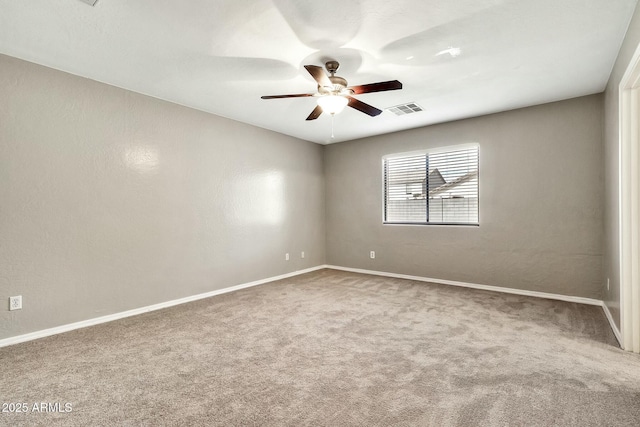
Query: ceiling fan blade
[
  {"x": 319, "y": 75},
  {"x": 361, "y": 106},
  {"x": 295, "y": 95},
  {"x": 315, "y": 113},
  {"x": 376, "y": 87}
]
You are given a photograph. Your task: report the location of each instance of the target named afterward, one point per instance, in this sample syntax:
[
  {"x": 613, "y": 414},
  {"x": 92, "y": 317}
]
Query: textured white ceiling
[{"x": 220, "y": 56}]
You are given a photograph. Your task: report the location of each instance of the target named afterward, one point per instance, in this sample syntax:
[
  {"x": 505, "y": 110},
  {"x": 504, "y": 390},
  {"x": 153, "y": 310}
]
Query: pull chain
[{"x": 332, "y": 136}]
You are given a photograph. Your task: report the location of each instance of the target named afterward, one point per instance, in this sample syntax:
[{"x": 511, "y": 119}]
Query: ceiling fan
[{"x": 334, "y": 94}]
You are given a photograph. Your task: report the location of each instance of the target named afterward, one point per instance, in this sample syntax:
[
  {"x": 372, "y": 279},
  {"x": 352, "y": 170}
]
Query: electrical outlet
[
  {"x": 15, "y": 303},
  {"x": 372, "y": 254},
  {"x": 286, "y": 256},
  {"x": 302, "y": 254}
]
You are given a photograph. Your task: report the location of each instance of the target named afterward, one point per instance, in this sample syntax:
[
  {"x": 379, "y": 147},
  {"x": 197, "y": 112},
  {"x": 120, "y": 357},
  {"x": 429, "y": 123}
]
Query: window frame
[{"x": 428, "y": 151}]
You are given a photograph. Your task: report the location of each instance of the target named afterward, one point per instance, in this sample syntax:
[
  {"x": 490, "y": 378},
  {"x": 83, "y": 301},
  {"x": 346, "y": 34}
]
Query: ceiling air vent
[{"x": 401, "y": 110}]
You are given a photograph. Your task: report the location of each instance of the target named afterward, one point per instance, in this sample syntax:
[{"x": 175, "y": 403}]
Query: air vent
[
  {"x": 401, "y": 110},
  {"x": 90, "y": 2}
]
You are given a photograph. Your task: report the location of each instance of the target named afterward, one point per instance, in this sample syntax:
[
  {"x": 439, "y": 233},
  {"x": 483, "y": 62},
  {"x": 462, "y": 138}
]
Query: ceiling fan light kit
[
  {"x": 334, "y": 94},
  {"x": 332, "y": 104}
]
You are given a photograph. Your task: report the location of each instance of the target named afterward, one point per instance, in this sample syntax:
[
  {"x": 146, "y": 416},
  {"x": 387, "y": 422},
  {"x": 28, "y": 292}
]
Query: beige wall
[
  {"x": 612, "y": 170},
  {"x": 541, "y": 195},
  {"x": 110, "y": 200}
]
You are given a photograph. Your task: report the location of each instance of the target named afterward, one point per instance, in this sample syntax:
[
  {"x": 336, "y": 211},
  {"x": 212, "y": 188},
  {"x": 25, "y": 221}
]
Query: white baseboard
[
  {"x": 613, "y": 325},
  {"x": 568, "y": 298},
  {"x": 111, "y": 317}
]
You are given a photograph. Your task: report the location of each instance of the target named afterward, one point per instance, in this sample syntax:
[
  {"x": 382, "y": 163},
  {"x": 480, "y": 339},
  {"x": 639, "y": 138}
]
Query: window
[{"x": 432, "y": 187}]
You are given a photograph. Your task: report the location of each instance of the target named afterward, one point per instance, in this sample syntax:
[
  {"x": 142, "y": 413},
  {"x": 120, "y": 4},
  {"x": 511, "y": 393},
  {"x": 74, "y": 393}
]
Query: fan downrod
[{"x": 339, "y": 83}]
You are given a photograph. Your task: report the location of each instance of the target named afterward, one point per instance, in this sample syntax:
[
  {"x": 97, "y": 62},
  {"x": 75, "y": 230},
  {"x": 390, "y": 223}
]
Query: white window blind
[{"x": 432, "y": 187}]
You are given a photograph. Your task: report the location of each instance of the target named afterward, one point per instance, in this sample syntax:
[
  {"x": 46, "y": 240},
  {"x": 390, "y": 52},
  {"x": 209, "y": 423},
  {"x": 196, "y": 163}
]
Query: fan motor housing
[
  {"x": 338, "y": 81},
  {"x": 338, "y": 84}
]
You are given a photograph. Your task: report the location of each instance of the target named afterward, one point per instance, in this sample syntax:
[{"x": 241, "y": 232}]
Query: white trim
[
  {"x": 116, "y": 316},
  {"x": 629, "y": 204},
  {"x": 568, "y": 298},
  {"x": 523, "y": 292},
  {"x": 612, "y": 323},
  {"x": 111, "y": 317}
]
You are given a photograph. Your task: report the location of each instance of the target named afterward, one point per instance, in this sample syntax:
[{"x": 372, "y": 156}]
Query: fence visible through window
[{"x": 432, "y": 187}]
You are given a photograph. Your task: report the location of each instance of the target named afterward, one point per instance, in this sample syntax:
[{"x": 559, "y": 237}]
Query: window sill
[{"x": 452, "y": 224}]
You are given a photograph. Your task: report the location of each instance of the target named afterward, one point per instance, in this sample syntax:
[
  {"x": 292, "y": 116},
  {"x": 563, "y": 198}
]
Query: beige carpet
[{"x": 334, "y": 349}]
